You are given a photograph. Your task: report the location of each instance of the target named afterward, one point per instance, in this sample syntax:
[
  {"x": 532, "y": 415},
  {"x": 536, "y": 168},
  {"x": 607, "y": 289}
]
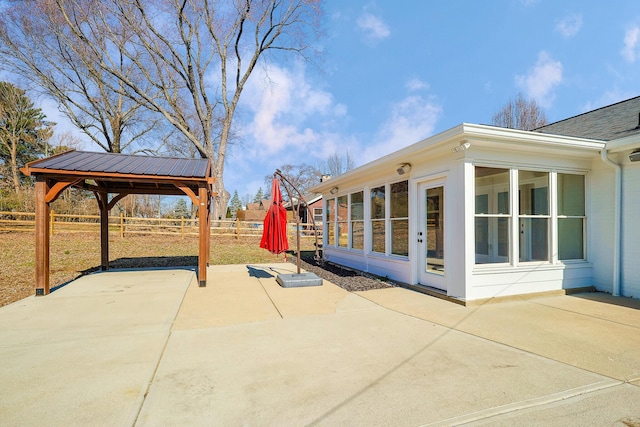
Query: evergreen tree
[
  {"x": 181, "y": 209},
  {"x": 259, "y": 196},
  {"x": 23, "y": 132},
  {"x": 235, "y": 204}
]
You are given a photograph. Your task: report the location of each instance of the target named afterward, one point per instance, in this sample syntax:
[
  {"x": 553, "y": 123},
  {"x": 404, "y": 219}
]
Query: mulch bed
[{"x": 349, "y": 279}]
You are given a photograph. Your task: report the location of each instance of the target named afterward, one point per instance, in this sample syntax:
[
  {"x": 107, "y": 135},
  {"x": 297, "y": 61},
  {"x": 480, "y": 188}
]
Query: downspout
[{"x": 617, "y": 220}]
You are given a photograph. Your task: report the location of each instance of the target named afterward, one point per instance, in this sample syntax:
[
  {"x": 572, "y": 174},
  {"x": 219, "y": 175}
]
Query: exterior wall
[
  {"x": 441, "y": 169},
  {"x": 601, "y": 224},
  {"x": 630, "y": 268},
  {"x": 513, "y": 278}
]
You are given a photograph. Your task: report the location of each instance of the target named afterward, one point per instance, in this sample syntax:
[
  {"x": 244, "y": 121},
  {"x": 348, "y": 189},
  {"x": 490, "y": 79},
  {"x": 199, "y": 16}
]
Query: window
[
  {"x": 342, "y": 221},
  {"x": 571, "y": 216},
  {"x": 331, "y": 225},
  {"x": 317, "y": 215},
  {"x": 538, "y": 206},
  {"x": 533, "y": 189},
  {"x": 399, "y": 218},
  {"x": 378, "y": 219},
  {"x": 492, "y": 215},
  {"x": 435, "y": 230},
  {"x": 357, "y": 220}
]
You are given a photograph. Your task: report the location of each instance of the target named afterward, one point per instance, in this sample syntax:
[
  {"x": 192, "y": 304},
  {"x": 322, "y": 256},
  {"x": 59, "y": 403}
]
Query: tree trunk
[{"x": 14, "y": 166}]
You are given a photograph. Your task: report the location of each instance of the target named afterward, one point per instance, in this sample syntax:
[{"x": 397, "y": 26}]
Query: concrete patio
[{"x": 150, "y": 347}]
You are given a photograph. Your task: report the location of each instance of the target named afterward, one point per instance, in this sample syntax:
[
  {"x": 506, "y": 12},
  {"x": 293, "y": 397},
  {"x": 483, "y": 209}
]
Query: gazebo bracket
[
  {"x": 58, "y": 188},
  {"x": 189, "y": 192},
  {"x": 115, "y": 200}
]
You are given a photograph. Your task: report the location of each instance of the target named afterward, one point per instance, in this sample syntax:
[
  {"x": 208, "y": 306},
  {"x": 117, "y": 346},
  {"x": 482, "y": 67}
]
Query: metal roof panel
[{"x": 126, "y": 164}]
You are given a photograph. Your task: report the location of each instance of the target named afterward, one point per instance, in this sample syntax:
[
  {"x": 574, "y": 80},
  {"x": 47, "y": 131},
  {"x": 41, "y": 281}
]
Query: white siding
[
  {"x": 630, "y": 268},
  {"x": 601, "y": 225},
  {"x": 490, "y": 283}
]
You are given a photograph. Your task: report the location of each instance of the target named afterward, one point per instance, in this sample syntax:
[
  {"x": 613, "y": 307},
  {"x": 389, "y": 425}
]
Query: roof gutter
[{"x": 617, "y": 220}]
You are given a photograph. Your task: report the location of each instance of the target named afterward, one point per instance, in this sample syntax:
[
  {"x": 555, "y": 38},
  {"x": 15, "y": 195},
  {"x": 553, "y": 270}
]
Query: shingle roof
[
  {"x": 606, "y": 123},
  {"x": 110, "y": 163}
]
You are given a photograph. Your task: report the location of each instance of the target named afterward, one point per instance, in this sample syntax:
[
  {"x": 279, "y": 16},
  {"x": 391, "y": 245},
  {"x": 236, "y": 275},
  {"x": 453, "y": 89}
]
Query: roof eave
[
  {"x": 624, "y": 144},
  {"x": 478, "y": 135},
  {"x": 111, "y": 177}
]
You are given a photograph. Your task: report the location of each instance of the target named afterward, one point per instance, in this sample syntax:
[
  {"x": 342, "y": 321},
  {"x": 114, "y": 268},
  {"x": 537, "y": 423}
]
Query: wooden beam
[
  {"x": 203, "y": 236},
  {"x": 169, "y": 190},
  {"x": 42, "y": 237}
]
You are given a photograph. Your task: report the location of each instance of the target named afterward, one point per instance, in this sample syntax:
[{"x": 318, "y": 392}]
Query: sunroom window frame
[{"x": 553, "y": 216}]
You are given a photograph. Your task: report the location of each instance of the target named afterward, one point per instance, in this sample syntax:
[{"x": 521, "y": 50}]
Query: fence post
[
  {"x": 182, "y": 226},
  {"x": 51, "y": 222},
  {"x": 237, "y": 228},
  {"x": 121, "y": 225}
]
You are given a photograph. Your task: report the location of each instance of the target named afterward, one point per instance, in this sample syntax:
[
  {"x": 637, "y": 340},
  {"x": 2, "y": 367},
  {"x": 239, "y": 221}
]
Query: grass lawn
[{"x": 74, "y": 254}]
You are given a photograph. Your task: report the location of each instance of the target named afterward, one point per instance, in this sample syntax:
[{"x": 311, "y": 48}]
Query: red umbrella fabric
[{"x": 274, "y": 233}]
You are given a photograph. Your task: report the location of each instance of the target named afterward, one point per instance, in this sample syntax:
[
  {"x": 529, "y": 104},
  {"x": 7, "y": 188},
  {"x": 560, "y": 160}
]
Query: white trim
[{"x": 477, "y": 135}]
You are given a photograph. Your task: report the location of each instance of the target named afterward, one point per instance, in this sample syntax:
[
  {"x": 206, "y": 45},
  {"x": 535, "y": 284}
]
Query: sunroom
[{"x": 472, "y": 213}]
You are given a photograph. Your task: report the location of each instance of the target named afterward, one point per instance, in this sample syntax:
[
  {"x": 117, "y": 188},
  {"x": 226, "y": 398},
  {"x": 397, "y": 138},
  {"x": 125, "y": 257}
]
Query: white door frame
[{"x": 429, "y": 278}]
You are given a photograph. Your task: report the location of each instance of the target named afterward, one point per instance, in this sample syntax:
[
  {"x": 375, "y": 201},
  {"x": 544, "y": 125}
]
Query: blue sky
[{"x": 393, "y": 73}]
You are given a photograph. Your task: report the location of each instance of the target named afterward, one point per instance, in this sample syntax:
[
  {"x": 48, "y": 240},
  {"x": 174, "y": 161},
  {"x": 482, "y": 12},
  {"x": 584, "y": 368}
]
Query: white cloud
[
  {"x": 569, "y": 26},
  {"x": 631, "y": 39},
  {"x": 416, "y": 84},
  {"x": 607, "y": 98},
  {"x": 411, "y": 120},
  {"x": 373, "y": 27},
  {"x": 283, "y": 119},
  {"x": 282, "y": 101},
  {"x": 541, "y": 81}
]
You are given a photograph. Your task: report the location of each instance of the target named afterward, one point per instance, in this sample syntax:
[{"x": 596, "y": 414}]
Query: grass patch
[{"x": 75, "y": 254}]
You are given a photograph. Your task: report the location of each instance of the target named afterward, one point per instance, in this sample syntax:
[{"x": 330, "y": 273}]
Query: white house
[{"x": 479, "y": 211}]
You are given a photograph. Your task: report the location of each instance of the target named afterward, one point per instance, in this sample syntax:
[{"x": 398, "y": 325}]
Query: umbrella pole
[
  {"x": 298, "y": 204},
  {"x": 295, "y": 280},
  {"x": 295, "y": 214}
]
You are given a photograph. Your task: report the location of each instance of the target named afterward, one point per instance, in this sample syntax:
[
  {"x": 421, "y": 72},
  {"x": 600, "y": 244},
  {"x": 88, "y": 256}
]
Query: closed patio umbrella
[{"x": 274, "y": 233}]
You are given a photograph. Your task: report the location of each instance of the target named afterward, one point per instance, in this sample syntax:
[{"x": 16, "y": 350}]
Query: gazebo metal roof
[
  {"x": 82, "y": 162},
  {"x": 111, "y": 177}
]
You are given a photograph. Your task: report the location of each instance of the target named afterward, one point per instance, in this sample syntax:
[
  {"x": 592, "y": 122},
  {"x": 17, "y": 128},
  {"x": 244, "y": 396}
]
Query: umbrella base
[{"x": 298, "y": 280}]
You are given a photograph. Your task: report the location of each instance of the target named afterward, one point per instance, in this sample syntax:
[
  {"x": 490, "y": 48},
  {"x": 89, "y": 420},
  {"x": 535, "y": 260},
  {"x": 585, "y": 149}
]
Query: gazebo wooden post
[
  {"x": 209, "y": 217},
  {"x": 42, "y": 236},
  {"x": 203, "y": 234},
  {"x": 103, "y": 203}
]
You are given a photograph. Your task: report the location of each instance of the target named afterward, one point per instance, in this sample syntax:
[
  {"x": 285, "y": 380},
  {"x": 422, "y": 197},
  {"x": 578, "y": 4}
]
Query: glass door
[{"x": 431, "y": 236}]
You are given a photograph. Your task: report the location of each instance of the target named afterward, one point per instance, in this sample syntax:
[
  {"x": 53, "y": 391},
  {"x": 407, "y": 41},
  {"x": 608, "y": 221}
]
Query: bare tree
[
  {"x": 188, "y": 60},
  {"x": 520, "y": 113},
  {"x": 61, "y": 142},
  {"x": 37, "y": 45},
  {"x": 336, "y": 164},
  {"x": 303, "y": 176}
]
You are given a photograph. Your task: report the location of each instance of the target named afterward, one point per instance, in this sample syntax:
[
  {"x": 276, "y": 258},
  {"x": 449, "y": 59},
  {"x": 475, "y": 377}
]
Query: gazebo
[{"x": 111, "y": 177}]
